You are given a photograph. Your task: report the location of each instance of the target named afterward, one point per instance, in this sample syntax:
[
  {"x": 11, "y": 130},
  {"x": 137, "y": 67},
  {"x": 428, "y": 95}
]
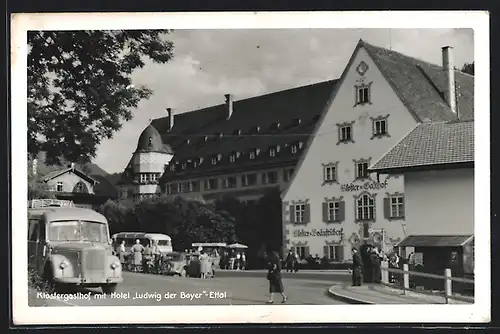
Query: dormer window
[
  {"x": 232, "y": 158},
  {"x": 257, "y": 151},
  {"x": 205, "y": 138},
  {"x": 297, "y": 121},
  {"x": 184, "y": 165},
  {"x": 237, "y": 132},
  {"x": 300, "y": 144},
  {"x": 256, "y": 129},
  {"x": 214, "y": 160},
  {"x": 294, "y": 148},
  {"x": 188, "y": 141},
  {"x": 221, "y": 135},
  {"x": 272, "y": 152},
  {"x": 219, "y": 156},
  {"x": 252, "y": 155},
  {"x": 195, "y": 164},
  {"x": 278, "y": 148},
  {"x": 172, "y": 167}
]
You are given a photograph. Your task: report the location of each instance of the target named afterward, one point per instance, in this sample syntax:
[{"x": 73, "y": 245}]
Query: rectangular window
[
  {"x": 232, "y": 158},
  {"x": 333, "y": 211},
  {"x": 345, "y": 133},
  {"x": 144, "y": 177},
  {"x": 248, "y": 180},
  {"x": 211, "y": 184},
  {"x": 335, "y": 252},
  {"x": 214, "y": 160},
  {"x": 380, "y": 127},
  {"x": 397, "y": 207},
  {"x": 329, "y": 174},
  {"x": 272, "y": 152},
  {"x": 365, "y": 208},
  {"x": 168, "y": 189},
  {"x": 361, "y": 170},
  {"x": 270, "y": 177},
  {"x": 294, "y": 149},
  {"x": 300, "y": 210},
  {"x": 181, "y": 187},
  {"x": 229, "y": 182},
  {"x": 300, "y": 251},
  {"x": 252, "y": 155},
  {"x": 363, "y": 95},
  {"x": 287, "y": 175}
]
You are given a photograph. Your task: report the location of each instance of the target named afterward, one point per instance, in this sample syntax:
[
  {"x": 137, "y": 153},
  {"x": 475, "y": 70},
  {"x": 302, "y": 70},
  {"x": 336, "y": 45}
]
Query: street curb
[{"x": 336, "y": 295}]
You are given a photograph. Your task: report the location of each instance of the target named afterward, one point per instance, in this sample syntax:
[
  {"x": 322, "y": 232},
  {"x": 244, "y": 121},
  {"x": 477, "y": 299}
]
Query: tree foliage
[
  {"x": 80, "y": 89},
  {"x": 468, "y": 68},
  {"x": 37, "y": 188}
]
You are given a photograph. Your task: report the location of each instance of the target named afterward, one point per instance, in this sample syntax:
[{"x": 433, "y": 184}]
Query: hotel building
[{"x": 333, "y": 201}]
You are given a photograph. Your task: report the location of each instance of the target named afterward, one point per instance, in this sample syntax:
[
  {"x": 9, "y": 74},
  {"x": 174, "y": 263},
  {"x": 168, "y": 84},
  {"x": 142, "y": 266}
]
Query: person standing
[
  {"x": 290, "y": 258},
  {"x": 156, "y": 255},
  {"x": 204, "y": 264},
  {"x": 121, "y": 252},
  {"x": 238, "y": 261},
  {"x": 274, "y": 278},
  {"x": 137, "y": 250},
  {"x": 243, "y": 261},
  {"x": 357, "y": 268},
  {"x": 376, "y": 271}
]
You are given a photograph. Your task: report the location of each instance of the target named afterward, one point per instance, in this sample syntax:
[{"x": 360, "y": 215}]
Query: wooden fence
[{"x": 447, "y": 278}]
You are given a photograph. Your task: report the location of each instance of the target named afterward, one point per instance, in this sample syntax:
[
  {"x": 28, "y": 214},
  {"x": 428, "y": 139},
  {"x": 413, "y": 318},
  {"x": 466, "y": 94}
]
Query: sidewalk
[{"x": 378, "y": 294}]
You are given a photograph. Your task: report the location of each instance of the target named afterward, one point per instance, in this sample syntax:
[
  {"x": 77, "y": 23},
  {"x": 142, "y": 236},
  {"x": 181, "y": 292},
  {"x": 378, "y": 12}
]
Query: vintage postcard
[{"x": 251, "y": 167}]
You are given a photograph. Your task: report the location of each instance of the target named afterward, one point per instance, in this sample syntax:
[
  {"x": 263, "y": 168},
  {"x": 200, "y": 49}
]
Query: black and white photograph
[{"x": 250, "y": 167}]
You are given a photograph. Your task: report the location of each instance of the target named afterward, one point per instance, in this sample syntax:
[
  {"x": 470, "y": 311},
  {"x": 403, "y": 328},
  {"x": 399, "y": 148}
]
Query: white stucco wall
[
  {"x": 440, "y": 202},
  {"x": 153, "y": 162},
  {"x": 69, "y": 181},
  {"x": 307, "y": 184}
]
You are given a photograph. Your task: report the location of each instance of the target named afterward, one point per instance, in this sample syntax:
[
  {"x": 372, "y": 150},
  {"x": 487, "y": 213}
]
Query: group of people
[
  {"x": 366, "y": 266},
  {"x": 233, "y": 260},
  {"x": 292, "y": 262},
  {"x": 142, "y": 256}
]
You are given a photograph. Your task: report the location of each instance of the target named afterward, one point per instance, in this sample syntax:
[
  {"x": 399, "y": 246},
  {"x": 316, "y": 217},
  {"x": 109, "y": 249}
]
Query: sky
[{"x": 208, "y": 64}]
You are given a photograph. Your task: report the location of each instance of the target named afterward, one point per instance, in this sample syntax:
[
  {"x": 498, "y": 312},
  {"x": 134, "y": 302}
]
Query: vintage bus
[
  {"x": 71, "y": 246},
  {"x": 163, "y": 240}
]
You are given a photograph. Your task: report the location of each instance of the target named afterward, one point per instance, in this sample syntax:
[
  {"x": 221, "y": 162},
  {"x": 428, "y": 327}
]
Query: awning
[
  {"x": 436, "y": 240},
  {"x": 237, "y": 245}
]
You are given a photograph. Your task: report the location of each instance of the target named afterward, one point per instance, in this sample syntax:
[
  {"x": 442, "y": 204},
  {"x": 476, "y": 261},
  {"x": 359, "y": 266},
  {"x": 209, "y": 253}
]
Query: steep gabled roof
[
  {"x": 431, "y": 144},
  {"x": 421, "y": 85},
  {"x": 56, "y": 173}
]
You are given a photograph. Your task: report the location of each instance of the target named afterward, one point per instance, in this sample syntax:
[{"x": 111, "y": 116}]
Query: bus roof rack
[{"x": 48, "y": 202}]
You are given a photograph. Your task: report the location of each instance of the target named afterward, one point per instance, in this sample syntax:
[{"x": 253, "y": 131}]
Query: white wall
[
  {"x": 440, "y": 202},
  {"x": 69, "y": 181},
  {"x": 308, "y": 181}
]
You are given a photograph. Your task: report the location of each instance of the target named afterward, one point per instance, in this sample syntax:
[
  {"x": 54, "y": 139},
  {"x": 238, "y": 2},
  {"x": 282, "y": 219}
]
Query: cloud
[{"x": 252, "y": 62}]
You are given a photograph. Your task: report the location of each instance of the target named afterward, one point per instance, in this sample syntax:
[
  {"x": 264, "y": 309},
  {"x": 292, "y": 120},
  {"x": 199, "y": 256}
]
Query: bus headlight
[
  {"x": 115, "y": 265},
  {"x": 63, "y": 264}
]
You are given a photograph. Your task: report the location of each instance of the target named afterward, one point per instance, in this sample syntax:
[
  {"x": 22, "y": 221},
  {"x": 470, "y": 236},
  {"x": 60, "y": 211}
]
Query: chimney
[
  {"x": 170, "y": 118},
  {"x": 229, "y": 104},
  {"x": 449, "y": 68}
]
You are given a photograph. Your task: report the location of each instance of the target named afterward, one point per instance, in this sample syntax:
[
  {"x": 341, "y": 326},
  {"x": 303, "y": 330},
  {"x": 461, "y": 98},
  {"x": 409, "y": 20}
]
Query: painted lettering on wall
[
  {"x": 365, "y": 186},
  {"x": 324, "y": 232}
]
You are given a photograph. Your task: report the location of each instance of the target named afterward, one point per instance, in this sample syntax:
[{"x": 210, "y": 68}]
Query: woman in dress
[
  {"x": 274, "y": 277},
  {"x": 137, "y": 250},
  {"x": 204, "y": 264}
]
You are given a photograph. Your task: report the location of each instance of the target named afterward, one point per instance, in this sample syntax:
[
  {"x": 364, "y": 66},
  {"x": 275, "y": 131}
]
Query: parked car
[{"x": 175, "y": 263}]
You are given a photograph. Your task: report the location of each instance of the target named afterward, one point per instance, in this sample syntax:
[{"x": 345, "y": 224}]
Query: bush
[{"x": 35, "y": 281}]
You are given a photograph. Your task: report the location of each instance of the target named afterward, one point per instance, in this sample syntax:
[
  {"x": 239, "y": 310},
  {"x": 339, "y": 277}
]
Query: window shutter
[
  {"x": 341, "y": 216},
  {"x": 340, "y": 252},
  {"x": 325, "y": 251},
  {"x": 387, "y": 208},
  {"x": 325, "y": 212},
  {"x": 306, "y": 251},
  {"x": 307, "y": 214},
  {"x": 292, "y": 213}
]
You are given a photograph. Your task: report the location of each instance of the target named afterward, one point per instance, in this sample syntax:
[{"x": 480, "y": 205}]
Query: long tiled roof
[
  {"x": 207, "y": 133},
  {"x": 429, "y": 144}
]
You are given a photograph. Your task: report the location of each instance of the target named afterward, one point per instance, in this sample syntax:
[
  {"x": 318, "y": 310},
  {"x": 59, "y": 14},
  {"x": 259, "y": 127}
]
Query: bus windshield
[{"x": 74, "y": 230}]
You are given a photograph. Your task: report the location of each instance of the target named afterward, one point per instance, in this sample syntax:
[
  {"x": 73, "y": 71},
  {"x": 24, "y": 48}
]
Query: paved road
[{"x": 239, "y": 289}]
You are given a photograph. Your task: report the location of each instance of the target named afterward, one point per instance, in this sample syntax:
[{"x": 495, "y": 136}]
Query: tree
[
  {"x": 80, "y": 89},
  {"x": 468, "y": 68},
  {"x": 37, "y": 188},
  {"x": 118, "y": 215}
]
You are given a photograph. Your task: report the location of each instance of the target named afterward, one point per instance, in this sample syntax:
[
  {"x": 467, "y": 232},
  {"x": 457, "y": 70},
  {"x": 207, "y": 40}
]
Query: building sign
[
  {"x": 367, "y": 186},
  {"x": 324, "y": 232}
]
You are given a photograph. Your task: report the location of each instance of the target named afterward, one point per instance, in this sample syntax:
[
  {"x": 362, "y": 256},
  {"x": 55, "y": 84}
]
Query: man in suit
[{"x": 357, "y": 268}]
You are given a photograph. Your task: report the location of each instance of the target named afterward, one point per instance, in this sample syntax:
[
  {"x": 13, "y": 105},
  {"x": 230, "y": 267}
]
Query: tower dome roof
[{"x": 150, "y": 141}]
